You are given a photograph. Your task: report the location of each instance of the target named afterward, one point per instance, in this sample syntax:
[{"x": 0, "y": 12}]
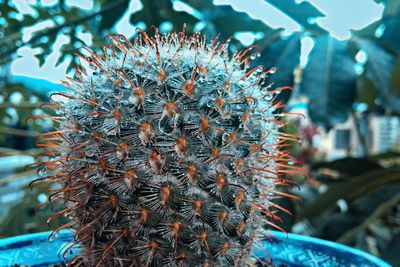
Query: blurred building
[
  {"x": 384, "y": 133},
  {"x": 359, "y": 135},
  {"x": 368, "y": 134}
]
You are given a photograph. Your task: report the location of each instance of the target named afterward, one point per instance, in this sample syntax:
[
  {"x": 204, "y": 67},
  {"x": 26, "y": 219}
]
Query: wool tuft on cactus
[{"x": 168, "y": 151}]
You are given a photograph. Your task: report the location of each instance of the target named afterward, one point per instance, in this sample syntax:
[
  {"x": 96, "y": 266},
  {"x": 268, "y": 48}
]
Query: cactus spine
[{"x": 168, "y": 153}]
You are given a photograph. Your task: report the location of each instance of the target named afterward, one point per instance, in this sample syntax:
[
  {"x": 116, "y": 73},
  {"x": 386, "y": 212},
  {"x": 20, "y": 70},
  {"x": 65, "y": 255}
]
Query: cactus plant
[{"x": 168, "y": 152}]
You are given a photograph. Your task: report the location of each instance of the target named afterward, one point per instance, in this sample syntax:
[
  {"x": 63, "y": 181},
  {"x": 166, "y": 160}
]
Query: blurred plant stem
[
  {"x": 6, "y": 151},
  {"x": 350, "y": 236},
  {"x": 361, "y": 137},
  {"x": 21, "y": 105},
  {"x": 351, "y": 189},
  {"x": 18, "y": 132}
]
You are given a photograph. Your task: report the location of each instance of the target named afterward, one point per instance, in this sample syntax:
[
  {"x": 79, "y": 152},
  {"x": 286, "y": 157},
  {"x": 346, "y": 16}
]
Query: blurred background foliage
[{"x": 348, "y": 91}]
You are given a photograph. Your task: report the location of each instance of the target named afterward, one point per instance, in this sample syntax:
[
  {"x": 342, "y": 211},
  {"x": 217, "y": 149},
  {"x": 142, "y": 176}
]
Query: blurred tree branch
[{"x": 53, "y": 31}]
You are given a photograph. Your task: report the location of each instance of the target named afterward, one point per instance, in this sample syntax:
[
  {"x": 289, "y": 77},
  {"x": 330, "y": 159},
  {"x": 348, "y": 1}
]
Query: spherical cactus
[{"x": 167, "y": 153}]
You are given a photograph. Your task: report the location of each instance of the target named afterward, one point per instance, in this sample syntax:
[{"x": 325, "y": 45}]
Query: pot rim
[
  {"x": 64, "y": 236},
  {"x": 279, "y": 237}
]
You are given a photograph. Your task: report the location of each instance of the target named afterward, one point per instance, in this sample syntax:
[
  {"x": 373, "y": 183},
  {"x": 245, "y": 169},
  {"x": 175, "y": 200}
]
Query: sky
[{"x": 341, "y": 16}]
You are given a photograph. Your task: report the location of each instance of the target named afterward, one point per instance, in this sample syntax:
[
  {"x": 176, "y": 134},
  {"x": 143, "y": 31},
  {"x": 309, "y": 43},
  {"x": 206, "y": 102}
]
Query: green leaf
[
  {"x": 391, "y": 35},
  {"x": 396, "y": 76},
  {"x": 368, "y": 31},
  {"x": 156, "y": 12},
  {"x": 73, "y": 16},
  {"x": 390, "y": 23},
  {"x": 108, "y": 20},
  {"x": 390, "y": 38},
  {"x": 69, "y": 49},
  {"x": 366, "y": 91},
  {"x": 201, "y": 5},
  {"x": 227, "y": 21},
  {"x": 329, "y": 82},
  {"x": 379, "y": 69},
  {"x": 392, "y": 7},
  {"x": 300, "y": 12}
]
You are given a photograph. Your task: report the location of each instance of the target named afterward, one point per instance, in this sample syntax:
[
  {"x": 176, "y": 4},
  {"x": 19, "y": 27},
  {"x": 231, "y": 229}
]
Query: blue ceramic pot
[{"x": 296, "y": 250}]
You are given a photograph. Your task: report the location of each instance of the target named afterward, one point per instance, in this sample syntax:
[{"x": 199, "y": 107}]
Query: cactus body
[{"x": 167, "y": 153}]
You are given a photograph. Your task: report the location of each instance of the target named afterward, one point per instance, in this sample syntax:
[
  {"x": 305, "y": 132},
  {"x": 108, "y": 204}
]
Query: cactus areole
[{"x": 168, "y": 152}]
